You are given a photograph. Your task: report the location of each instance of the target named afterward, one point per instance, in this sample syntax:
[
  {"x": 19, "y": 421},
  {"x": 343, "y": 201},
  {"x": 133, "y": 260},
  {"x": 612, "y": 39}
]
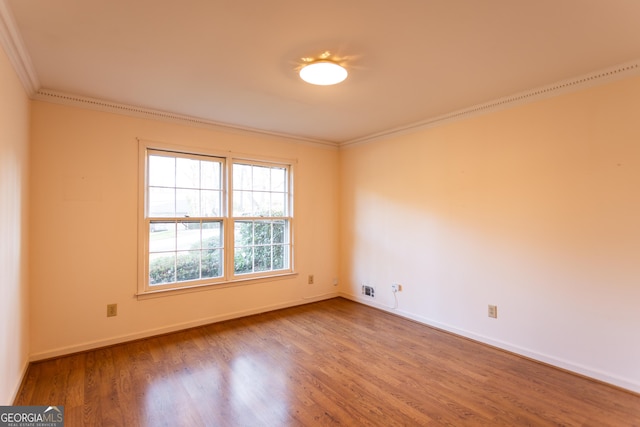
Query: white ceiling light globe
[{"x": 323, "y": 73}]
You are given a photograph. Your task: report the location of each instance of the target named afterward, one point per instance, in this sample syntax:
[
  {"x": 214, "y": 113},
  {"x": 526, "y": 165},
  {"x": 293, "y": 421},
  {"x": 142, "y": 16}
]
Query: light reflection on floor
[{"x": 247, "y": 390}]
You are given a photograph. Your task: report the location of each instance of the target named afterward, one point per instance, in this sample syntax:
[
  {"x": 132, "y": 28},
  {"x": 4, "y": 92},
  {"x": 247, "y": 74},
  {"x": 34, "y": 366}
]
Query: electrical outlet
[
  {"x": 112, "y": 310},
  {"x": 493, "y": 311},
  {"x": 310, "y": 279},
  {"x": 396, "y": 287}
]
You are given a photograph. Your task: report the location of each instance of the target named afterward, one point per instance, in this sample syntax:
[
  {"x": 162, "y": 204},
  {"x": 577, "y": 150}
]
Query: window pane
[
  {"x": 188, "y": 235},
  {"x": 212, "y": 235},
  {"x": 162, "y": 202},
  {"x": 241, "y": 177},
  {"x": 279, "y": 257},
  {"x": 162, "y": 171},
  {"x": 187, "y": 173},
  {"x": 210, "y": 175},
  {"x": 212, "y": 263},
  {"x": 278, "y": 179},
  {"x": 162, "y": 268},
  {"x": 243, "y": 260},
  {"x": 261, "y": 178},
  {"x": 243, "y": 233},
  {"x": 278, "y": 204},
  {"x": 279, "y": 232},
  {"x": 262, "y": 233},
  {"x": 262, "y": 258},
  {"x": 187, "y": 203},
  {"x": 242, "y": 203},
  {"x": 162, "y": 236},
  {"x": 210, "y": 203},
  {"x": 261, "y": 204},
  {"x": 188, "y": 266}
]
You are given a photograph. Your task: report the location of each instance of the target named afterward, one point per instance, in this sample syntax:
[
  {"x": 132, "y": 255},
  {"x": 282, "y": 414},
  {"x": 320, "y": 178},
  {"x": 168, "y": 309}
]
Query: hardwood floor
[{"x": 334, "y": 362}]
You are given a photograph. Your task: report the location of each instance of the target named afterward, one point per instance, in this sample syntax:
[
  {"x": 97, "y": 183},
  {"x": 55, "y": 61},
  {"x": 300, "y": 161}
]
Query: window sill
[{"x": 207, "y": 287}]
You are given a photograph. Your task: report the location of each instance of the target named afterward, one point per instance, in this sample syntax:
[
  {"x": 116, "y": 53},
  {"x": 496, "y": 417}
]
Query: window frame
[{"x": 229, "y": 277}]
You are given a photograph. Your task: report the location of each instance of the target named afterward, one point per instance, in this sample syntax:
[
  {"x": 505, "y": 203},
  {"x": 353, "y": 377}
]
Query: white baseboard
[
  {"x": 525, "y": 352},
  {"x": 90, "y": 345}
]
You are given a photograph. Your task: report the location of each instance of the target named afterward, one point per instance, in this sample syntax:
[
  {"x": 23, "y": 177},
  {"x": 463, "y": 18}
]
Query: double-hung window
[
  {"x": 261, "y": 218},
  {"x": 210, "y": 219}
]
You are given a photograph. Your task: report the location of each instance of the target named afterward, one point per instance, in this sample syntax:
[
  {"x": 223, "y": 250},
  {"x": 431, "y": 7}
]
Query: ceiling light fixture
[{"x": 323, "y": 72}]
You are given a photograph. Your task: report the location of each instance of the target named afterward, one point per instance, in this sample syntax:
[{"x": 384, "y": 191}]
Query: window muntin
[{"x": 190, "y": 238}]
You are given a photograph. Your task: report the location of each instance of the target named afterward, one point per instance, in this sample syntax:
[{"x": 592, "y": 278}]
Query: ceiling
[{"x": 234, "y": 61}]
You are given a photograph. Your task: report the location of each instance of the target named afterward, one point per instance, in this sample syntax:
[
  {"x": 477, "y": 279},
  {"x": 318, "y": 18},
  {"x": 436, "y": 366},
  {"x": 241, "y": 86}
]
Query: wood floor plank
[{"x": 334, "y": 362}]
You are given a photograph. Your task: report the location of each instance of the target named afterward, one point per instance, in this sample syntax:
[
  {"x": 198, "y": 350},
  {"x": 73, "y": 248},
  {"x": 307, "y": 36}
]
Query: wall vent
[{"x": 368, "y": 291}]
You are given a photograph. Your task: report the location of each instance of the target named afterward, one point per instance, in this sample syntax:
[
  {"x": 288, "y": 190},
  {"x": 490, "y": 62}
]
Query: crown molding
[
  {"x": 14, "y": 47},
  {"x": 149, "y": 113},
  {"x": 595, "y": 78}
]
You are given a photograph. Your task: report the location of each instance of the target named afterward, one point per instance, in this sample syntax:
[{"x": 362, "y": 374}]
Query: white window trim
[{"x": 145, "y": 291}]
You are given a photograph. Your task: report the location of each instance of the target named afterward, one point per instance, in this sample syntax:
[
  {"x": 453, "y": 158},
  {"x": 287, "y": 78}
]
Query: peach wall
[
  {"x": 14, "y": 151},
  {"x": 84, "y": 230},
  {"x": 535, "y": 209}
]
